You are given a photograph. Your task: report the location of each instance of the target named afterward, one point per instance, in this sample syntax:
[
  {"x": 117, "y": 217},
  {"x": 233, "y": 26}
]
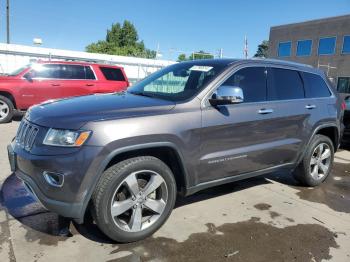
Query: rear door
[
  {"x": 319, "y": 102},
  {"x": 286, "y": 96},
  {"x": 78, "y": 80}
]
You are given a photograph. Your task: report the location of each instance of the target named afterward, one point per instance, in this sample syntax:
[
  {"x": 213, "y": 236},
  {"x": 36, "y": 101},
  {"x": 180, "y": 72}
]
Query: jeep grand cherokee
[{"x": 187, "y": 127}]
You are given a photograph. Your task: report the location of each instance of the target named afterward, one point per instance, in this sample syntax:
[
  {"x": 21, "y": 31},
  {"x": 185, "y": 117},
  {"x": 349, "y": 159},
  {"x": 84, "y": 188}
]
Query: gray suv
[{"x": 190, "y": 126}]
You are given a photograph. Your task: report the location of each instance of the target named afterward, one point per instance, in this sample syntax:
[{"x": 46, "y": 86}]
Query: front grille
[{"x": 26, "y": 135}]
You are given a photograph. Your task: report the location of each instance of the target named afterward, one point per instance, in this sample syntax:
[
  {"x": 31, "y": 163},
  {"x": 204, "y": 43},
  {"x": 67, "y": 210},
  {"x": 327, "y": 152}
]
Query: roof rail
[{"x": 282, "y": 61}]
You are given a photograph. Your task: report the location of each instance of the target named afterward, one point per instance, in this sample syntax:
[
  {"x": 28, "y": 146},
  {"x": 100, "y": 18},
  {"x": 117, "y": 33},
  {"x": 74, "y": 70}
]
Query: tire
[
  {"x": 305, "y": 172},
  {"x": 6, "y": 110},
  {"x": 116, "y": 185}
]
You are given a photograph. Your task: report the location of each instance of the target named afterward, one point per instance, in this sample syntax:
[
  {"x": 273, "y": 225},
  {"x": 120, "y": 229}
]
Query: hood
[
  {"x": 73, "y": 113},
  {"x": 7, "y": 77}
]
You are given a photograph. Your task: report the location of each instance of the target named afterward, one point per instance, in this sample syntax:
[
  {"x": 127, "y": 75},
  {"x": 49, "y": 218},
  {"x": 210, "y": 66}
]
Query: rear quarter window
[
  {"x": 315, "y": 86},
  {"x": 89, "y": 74},
  {"x": 284, "y": 84},
  {"x": 112, "y": 74}
]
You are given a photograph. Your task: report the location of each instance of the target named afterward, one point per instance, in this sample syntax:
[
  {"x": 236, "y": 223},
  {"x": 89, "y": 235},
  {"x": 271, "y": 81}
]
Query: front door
[{"x": 42, "y": 83}]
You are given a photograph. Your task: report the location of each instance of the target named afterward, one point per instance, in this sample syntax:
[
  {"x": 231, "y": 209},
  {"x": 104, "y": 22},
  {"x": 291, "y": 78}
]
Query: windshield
[
  {"x": 178, "y": 82},
  {"x": 18, "y": 70}
]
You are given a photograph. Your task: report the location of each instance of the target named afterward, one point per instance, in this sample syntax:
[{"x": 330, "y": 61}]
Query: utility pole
[
  {"x": 245, "y": 50},
  {"x": 221, "y": 53},
  {"x": 328, "y": 66},
  {"x": 8, "y": 20}
]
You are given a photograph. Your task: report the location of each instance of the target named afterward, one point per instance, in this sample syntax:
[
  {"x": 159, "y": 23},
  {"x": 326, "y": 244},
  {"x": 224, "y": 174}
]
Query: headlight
[{"x": 69, "y": 138}]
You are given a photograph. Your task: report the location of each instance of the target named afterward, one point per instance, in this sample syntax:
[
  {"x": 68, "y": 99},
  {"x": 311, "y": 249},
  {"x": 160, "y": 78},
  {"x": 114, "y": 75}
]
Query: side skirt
[{"x": 225, "y": 180}]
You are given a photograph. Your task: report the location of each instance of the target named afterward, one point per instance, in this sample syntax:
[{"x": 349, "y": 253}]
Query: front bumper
[
  {"x": 79, "y": 170},
  {"x": 71, "y": 210}
]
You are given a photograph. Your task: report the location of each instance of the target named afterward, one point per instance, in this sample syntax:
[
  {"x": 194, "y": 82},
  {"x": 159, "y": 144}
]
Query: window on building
[
  {"x": 284, "y": 84},
  {"x": 112, "y": 74},
  {"x": 284, "y": 49},
  {"x": 346, "y": 45},
  {"x": 326, "y": 46},
  {"x": 304, "y": 47},
  {"x": 343, "y": 85},
  {"x": 252, "y": 80}
]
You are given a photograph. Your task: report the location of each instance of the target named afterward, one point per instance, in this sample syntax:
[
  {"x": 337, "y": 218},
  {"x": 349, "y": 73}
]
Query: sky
[{"x": 176, "y": 26}]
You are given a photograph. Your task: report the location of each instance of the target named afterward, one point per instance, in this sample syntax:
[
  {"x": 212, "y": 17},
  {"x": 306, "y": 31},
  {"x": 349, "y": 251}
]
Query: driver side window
[
  {"x": 252, "y": 80},
  {"x": 49, "y": 71}
]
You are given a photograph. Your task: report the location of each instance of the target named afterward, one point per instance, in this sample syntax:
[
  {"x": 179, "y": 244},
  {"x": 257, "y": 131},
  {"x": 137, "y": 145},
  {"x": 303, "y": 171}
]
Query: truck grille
[{"x": 26, "y": 135}]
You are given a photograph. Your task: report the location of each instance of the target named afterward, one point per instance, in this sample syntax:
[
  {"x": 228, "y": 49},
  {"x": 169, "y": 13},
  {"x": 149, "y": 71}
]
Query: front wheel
[
  {"x": 317, "y": 162},
  {"x": 6, "y": 109},
  {"x": 134, "y": 198}
]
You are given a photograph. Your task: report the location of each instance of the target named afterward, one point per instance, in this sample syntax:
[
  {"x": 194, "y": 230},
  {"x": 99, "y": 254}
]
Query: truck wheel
[
  {"x": 134, "y": 198},
  {"x": 317, "y": 162},
  {"x": 6, "y": 109}
]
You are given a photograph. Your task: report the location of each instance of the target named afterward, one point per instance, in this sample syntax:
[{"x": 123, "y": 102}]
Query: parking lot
[{"x": 260, "y": 219}]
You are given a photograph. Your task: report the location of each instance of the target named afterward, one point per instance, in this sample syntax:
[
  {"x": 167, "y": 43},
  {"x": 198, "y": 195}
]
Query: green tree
[
  {"x": 263, "y": 49},
  {"x": 182, "y": 57},
  {"x": 195, "y": 55},
  {"x": 201, "y": 55},
  {"x": 121, "y": 40}
]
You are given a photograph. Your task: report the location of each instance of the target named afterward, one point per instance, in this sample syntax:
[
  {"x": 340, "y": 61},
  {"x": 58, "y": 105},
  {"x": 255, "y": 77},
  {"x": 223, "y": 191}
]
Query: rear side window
[
  {"x": 112, "y": 74},
  {"x": 72, "y": 72},
  {"x": 315, "y": 86},
  {"x": 252, "y": 80},
  {"x": 284, "y": 84}
]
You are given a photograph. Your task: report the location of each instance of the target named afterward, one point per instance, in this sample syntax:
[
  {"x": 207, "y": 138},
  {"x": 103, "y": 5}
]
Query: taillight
[{"x": 343, "y": 106}]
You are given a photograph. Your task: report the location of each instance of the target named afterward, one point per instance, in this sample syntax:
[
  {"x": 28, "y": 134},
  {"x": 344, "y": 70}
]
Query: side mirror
[
  {"x": 28, "y": 76},
  {"x": 226, "y": 95}
]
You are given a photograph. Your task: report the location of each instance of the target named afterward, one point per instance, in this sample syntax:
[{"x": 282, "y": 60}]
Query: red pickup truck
[{"x": 46, "y": 80}]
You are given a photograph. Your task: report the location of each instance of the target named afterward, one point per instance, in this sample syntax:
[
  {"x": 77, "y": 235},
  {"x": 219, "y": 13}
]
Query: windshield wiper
[{"x": 141, "y": 94}]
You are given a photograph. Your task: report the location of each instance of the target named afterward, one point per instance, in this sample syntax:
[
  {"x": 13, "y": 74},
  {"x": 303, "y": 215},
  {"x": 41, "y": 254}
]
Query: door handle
[
  {"x": 89, "y": 84},
  {"x": 265, "y": 111},
  {"x": 55, "y": 84},
  {"x": 310, "y": 106}
]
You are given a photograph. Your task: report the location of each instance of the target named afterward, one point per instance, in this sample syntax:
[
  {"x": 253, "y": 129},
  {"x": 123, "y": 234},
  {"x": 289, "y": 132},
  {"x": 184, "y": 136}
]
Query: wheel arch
[
  {"x": 9, "y": 96},
  {"x": 332, "y": 133},
  {"x": 330, "y": 130},
  {"x": 165, "y": 151}
]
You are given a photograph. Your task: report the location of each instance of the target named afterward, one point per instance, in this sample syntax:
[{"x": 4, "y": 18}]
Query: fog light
[{"x": 54, "y": 179}]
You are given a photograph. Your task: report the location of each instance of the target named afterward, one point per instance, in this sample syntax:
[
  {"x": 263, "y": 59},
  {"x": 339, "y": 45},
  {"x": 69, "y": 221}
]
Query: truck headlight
[{"x": 69, "y": 138}]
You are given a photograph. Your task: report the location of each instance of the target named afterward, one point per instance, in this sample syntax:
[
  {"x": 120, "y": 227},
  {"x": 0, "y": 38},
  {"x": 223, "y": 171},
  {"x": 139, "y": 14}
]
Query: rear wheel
[
  {"x": 134, "y": 198},
  {"x": 6, "y": 109},
  {"x": 317, "y": 162}
]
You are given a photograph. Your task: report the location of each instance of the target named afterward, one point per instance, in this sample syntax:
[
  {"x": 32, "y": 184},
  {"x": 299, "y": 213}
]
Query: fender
[
  {"x": 119, "y": 151},
  {"x": 5, "y": 92},
  {"x": 312, "y": 136}
]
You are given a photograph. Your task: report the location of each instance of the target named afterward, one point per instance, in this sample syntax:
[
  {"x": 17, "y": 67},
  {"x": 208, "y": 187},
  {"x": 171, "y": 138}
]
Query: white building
[{"x": 13, "y": 56}]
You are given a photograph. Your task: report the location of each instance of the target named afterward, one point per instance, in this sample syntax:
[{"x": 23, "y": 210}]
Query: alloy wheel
[
  {"x": 4, "y": 110},
  {"x": 320, "y": 161},
  {"x": 139, "y": 201}
]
